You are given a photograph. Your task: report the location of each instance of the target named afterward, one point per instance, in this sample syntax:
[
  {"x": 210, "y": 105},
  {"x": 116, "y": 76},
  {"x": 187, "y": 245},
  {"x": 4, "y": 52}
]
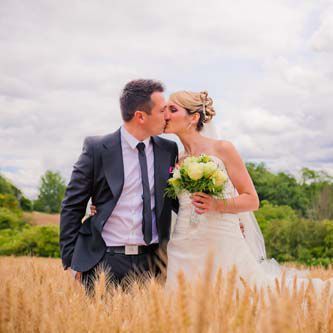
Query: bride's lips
[{"x": 165, "y": 127}]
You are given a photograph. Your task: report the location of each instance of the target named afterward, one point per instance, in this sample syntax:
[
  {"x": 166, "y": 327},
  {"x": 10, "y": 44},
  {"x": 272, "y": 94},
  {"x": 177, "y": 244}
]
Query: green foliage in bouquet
[{"x": 197, "y": 174}]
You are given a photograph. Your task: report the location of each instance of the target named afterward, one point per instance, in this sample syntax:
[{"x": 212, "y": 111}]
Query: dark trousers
[{"x": 122, "y": 269}]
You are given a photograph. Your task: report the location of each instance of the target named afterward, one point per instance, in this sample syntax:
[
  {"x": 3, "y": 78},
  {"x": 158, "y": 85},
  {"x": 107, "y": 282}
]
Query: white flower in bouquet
[
  {"x": 219, "y": 177},
  {"x": 189, "y": 160},
  {"x": 176, "y": 173},
  {"x": 195, "y": 170},
  {"x": 209, "y": 169}
]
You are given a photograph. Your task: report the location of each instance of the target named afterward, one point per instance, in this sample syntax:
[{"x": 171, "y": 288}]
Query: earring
[{"x": 189, "y": 125}]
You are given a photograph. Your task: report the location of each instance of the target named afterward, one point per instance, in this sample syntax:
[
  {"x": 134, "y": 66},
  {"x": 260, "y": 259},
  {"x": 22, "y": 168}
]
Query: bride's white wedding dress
[{"x": 220, "y": 234}]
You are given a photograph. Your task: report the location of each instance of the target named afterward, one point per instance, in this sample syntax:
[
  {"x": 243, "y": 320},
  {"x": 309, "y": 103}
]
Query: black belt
[{"x": 132, "y": 249}]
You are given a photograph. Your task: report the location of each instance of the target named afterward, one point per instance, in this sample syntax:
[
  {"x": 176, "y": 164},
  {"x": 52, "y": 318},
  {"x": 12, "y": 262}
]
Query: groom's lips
[{"x": 166, "y": 125}]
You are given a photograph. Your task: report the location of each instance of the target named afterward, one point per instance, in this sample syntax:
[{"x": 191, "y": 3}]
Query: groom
[{"x": 125, "y": 174}]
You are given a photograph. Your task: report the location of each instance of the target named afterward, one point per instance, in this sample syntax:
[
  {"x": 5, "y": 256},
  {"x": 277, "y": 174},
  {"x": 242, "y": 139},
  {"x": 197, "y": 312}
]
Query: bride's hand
[
  {"x": 93, "y": 210},
  {"x": 204, "y": 203}
]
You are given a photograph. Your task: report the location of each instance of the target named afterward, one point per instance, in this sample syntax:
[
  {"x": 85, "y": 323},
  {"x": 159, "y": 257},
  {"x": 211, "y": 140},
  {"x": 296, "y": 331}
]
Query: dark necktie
[{"x": 146, "y": 213}]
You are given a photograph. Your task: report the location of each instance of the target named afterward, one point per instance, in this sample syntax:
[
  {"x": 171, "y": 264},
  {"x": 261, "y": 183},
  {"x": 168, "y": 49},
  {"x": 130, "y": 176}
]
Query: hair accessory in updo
[{"x": 207, "y": 106}]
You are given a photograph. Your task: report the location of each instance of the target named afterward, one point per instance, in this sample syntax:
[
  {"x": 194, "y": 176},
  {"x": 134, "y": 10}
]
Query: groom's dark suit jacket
[{"x": 99, "y": 174}]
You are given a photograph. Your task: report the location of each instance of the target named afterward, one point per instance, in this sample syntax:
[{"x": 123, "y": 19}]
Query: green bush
[
  {"x": 305, "y": 241},
  {"x": 7, "y": 235},
  {"x": 26, "y": 204},
  {"x": 42, "y": 241},
  {"x": 9, "y": 201},
  {"x": 10, "y": 219},
  {"x": 19, "y": 238},
  {"x": 269, "y": 212}
]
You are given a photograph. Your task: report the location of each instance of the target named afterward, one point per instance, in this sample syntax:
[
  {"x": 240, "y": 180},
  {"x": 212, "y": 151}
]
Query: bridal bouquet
[{"x": 197, "y": 174}]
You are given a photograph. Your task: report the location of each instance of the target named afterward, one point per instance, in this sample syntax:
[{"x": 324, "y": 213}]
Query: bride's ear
[{"x": 195, "y": 118}]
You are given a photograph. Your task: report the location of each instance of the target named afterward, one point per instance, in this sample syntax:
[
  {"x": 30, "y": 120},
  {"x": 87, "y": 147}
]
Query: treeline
[
  {"x": 296, "y": 215},
  {"x": 311, "y": 196}
]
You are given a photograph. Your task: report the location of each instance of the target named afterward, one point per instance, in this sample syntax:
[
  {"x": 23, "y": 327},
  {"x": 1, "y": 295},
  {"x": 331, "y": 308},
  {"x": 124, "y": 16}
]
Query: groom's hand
[
  {"x": 78, "y": 276},
  {"x": 93, "y": 210}
]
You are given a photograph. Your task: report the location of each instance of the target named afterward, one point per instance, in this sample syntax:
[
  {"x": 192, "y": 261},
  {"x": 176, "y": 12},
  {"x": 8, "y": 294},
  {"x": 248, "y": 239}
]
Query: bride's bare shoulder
[
  {"x": 227, "y": 152},
  {"x": 224, "y": 146}
]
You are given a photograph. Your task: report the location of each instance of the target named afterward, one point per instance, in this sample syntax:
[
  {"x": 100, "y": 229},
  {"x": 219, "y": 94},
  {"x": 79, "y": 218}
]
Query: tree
[
  {"x": 51, "y": 192},
  {"x": 268, "y": 213},
  {"x": 318, "y": 187},
  {"x": 278, "y": 189},
  {"x": 311, "y": 176},
  {"x": 10, "y": 191},
  {"x": 5, "y": 186}
]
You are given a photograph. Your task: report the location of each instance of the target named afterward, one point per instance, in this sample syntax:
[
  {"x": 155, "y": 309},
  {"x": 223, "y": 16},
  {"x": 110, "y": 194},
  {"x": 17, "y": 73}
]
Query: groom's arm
[{"x": 77, "y": 195}]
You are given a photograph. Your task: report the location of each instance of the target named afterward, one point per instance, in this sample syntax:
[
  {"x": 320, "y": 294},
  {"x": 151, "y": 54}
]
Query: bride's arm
[{"x": 248, "y": 198}]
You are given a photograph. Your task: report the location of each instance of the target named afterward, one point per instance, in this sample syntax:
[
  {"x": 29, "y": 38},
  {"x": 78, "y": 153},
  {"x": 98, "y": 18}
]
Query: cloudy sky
[{"x": 268, "y": 64}]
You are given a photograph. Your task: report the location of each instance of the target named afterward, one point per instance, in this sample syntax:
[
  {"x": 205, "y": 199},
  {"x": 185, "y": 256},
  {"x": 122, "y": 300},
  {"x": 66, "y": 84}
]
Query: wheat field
[{"x": 38, "y": 296}]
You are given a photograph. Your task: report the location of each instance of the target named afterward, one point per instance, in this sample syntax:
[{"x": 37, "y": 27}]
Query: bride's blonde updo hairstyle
[{"x": 194, "y": 102}]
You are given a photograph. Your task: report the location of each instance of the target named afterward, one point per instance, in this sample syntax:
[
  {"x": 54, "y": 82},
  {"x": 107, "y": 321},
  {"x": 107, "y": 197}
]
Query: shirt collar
[{"x": 131, "y": 140}]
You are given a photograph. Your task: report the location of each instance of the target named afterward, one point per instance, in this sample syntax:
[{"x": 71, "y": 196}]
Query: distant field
[{"x": 37, "y": 218}]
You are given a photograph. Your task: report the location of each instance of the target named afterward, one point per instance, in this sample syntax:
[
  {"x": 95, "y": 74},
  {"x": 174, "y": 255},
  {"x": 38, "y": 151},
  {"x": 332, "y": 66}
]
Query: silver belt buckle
[{"x": 131, "y": 249}]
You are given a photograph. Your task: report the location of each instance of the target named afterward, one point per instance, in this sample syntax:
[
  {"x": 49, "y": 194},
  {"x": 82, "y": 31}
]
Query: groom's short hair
[{"x": 136, "y": 96}]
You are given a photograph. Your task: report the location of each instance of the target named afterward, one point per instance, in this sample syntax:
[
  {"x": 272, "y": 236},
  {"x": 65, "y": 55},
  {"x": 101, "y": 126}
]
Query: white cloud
[
  {"x": 267, "y": 64},
  {"x": 322, "y": 38}
]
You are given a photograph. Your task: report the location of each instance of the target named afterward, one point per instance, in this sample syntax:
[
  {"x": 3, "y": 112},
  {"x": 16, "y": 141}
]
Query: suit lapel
[
  {"x": 161, "y": 173},
  {"x": 113, "y": 164}
]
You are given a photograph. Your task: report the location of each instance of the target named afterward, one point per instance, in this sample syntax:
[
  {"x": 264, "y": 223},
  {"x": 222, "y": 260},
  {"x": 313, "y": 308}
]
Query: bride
[{"x": 189, "y": 116}]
